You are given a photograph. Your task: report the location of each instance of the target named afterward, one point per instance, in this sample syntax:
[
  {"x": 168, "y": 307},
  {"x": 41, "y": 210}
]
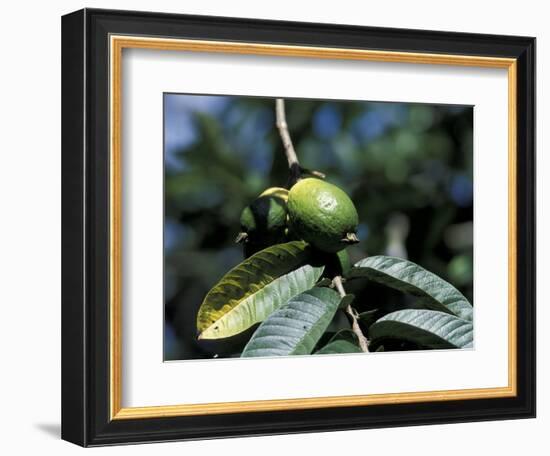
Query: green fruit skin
[
  {"x": 321, "y": 214},
  {"x": 264, "y": 220}
]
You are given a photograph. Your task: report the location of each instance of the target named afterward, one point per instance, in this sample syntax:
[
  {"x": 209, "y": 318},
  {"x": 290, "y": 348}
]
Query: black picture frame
[{"x": 85, "y": 224}]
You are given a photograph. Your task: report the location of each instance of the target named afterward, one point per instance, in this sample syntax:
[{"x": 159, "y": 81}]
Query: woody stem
[{"x": 363, "y": 341}]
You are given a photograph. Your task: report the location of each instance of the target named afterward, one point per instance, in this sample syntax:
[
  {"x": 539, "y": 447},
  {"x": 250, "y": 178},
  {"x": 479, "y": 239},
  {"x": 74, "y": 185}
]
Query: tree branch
[
  {"x": 294, "y": 166},
  {"x": 285, "y": 135},
  {"x": 363, "y": 341}
]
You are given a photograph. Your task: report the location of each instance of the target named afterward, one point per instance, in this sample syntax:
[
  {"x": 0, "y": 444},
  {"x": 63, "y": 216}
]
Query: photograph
[{"x": 316, "y": 227}]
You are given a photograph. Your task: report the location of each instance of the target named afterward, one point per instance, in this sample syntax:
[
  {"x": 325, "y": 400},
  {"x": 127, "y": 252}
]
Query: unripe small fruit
[{"x": 263, "y": 222}]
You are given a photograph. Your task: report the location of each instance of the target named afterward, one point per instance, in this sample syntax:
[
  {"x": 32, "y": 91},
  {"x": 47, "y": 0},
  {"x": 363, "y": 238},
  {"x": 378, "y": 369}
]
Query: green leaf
[
  {"x": 347, "y": 300},
  {"x": 408, "y": 277},
  {"x": 255, "y": 288},
  {"x": 325, "y": 282},
  {"x": 426, "y": 328},
  {"x": 344, "y": 341},
  {"x": 294, "y": 329},
  {"x": 368, "y": 317}
]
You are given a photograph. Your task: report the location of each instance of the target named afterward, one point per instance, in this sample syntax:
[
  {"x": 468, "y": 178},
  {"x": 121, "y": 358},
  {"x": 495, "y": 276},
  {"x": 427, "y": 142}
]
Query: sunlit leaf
[
  {"x": 251, "y": 291},
  {"x": 425, "y": 328},
  {"x": 408, "y": 277},
  {"x": 295, "y": 328}
]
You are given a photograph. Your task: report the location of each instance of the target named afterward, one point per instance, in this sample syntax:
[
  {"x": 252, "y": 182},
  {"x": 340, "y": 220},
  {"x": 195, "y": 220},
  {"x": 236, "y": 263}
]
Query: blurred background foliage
[{"x": 407, "y": 167}]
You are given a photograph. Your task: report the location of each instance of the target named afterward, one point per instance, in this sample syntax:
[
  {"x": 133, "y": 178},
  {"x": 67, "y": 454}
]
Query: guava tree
[{"x": 291, "y": 285}]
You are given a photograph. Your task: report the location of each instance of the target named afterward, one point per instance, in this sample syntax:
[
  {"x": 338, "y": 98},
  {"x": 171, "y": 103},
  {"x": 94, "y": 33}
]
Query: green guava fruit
[
  {"x": 322, "y": 214},
  {"x": 263, "y": 222}
]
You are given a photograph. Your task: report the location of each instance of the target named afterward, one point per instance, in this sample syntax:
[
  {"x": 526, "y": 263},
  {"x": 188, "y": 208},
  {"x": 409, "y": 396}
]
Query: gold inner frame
[{"x": 117, "y": 44}]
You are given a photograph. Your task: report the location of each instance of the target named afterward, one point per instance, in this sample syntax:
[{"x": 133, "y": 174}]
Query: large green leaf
[
  {"x": 295, "y": 328},
  {"x": 255, "y": 288},
  {"x": 426, "y": 328},
  {"x": 406, "y": 276},
  {"x": 344, "y": 341}
]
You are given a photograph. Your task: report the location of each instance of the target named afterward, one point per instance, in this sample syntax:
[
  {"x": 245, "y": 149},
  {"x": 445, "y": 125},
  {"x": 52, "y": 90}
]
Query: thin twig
[
  {"x": 363, "y": 341},
  {"x": 285, "y": 135},
  {"x": 337, "y": 282},
  {"x": 295, "y": 169}
]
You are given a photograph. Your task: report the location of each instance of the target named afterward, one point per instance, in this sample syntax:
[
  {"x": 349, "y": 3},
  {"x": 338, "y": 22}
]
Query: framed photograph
[{"x": 278, "y": 227}]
